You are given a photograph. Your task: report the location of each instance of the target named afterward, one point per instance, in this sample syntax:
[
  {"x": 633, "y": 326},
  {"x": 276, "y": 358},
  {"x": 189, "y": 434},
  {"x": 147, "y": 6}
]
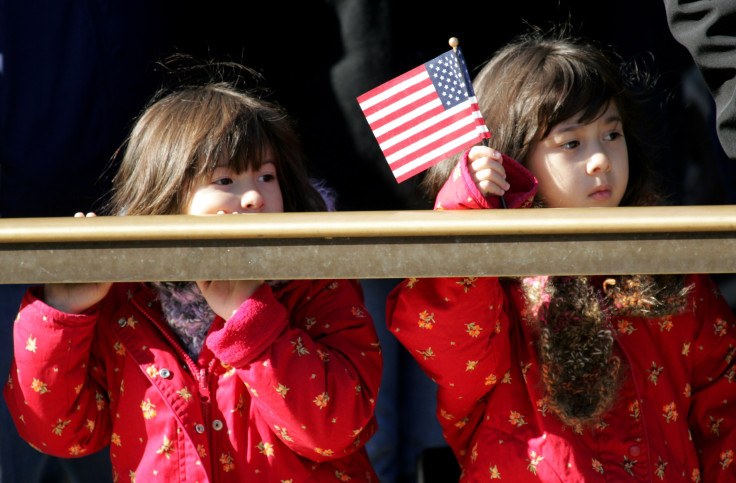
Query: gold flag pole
[{"x": 454, "y": 43}]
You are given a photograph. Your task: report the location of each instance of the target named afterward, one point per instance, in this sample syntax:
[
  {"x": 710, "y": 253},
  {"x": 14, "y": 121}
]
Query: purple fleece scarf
[{"x": 187, "y": 313}]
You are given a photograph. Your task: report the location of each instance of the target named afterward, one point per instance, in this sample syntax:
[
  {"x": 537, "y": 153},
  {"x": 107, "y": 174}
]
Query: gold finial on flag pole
[{"x": 454, "y": 42}]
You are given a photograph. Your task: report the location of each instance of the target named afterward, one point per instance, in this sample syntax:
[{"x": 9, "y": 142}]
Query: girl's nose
[
  {"x": 598, "y": 163},
  {"x": 252, "y": 201}
]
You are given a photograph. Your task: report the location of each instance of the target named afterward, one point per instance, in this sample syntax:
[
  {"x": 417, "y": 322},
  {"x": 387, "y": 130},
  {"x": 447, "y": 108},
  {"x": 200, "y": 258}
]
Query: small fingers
[
  {"x": 489, "y": 174},
  {"x": 477, "y": 152},
  {"x": 79, "y": 214}
]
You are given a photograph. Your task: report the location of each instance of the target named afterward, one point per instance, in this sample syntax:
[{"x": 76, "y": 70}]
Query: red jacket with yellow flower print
[
  {"x": 283, "y": 391},
  {"x": 675, "y": 413}
]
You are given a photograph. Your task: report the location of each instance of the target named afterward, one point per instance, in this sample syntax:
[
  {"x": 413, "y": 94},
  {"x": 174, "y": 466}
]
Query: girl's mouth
[{"x": 602, "y": 193}]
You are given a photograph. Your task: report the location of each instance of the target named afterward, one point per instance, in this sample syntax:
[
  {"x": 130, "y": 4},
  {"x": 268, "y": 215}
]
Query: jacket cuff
[
  {"x": 253, "y": 328},
  {"x": 33, "y": 303},
  {"x": 460, "y": 191}
]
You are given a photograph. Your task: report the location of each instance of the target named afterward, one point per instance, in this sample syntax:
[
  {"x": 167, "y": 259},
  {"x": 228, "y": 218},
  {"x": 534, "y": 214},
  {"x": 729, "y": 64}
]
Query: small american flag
[{"x": 425, "y": 115}]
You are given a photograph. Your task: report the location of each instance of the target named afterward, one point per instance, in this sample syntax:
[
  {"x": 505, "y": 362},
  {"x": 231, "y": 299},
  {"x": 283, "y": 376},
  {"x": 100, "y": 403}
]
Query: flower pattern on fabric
[
  {"x": 166, "y": 448},
  {"x": 321, "y": 400},
  {"x": 533, "y": 460},
  {"x": 467, "y": 283},
  {"x": 265, "y": 448},
  {"x": 669, "y": 411},
  {"x": 282, "y": 390},
  {"x": 426, "y": 320},
  {"x": 726, "y": 458},
  {"x": 721, "y": 327},
  {"x": 39, "y": 386},
  {"x": 184, "y": 394},
  {"x": 625, "y": 327},
  {"x": 473, "y": 329},
  {"x": 149, "y": 409},
  {"x": 647, "y": 344},
  {"x": 76, "y": 450},
  {"x": 299, "y": 348},
  {"x": 654, "y": 373},
  {"x": 427, "y": 354},
  {"x": 516, "y": 419},
  {"x": 31, "y": 344},
  {"x": 283, "y": 434},
  {"x": 165, "y": 415},
  {"x": 227, "y": 462}
]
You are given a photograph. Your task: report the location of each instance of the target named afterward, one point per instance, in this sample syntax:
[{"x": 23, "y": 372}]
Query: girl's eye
[
  {"x": 613, "y": 136},
  {"x": 223, "y": 181},
  {"x": 267, "y": 178},
  {"x": 571, "y": 145}
]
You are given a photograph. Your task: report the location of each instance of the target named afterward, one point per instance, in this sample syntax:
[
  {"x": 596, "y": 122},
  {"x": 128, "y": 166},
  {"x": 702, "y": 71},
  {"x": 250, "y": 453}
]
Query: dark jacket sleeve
[{"x": 707, "y": 28}]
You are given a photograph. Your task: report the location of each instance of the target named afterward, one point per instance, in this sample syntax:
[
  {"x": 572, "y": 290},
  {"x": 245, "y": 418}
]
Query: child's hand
[
  {"x": 484, "y": 165},
  {"x": 226, "y": 296},
  {"x": 75, "y": 298}
]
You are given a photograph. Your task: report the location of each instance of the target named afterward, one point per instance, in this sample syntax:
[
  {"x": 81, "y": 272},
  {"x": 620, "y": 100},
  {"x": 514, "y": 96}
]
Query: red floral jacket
[
  {"x": 675, "y": 413},
  {"x": 283, "y": 391}
]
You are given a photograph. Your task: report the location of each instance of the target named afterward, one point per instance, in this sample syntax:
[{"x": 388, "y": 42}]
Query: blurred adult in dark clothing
[{"x": 72, "y": 77}]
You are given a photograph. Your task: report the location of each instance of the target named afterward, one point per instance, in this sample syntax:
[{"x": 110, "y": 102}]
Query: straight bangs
[
  {"x": 245, "y": 133},
  {"x": 232, "y": 133},
  {"x": 574, "y": 85},
  {"x": 183, "y": 136}
]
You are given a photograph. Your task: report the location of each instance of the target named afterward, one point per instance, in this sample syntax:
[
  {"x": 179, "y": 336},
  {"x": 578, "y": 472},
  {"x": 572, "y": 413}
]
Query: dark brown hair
[
  {"x": 186, "y": 131},
  {"x": 543, "y": 78}
]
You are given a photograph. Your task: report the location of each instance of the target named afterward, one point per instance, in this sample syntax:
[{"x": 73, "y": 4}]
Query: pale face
[
  {"x": 227, "y": 192},
  {"x": 582, "y": 165}
]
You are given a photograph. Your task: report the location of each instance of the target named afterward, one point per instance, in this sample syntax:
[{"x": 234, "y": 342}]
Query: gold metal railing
[{"x": 377, "y": 244}]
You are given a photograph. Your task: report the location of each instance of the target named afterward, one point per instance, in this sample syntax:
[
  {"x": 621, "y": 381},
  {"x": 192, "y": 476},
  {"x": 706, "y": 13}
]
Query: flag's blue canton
[{"x": 448, "y": 79}]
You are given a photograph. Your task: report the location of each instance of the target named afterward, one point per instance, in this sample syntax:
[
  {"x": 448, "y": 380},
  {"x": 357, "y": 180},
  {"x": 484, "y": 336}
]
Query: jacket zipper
[{"x": 200, "y": 374}]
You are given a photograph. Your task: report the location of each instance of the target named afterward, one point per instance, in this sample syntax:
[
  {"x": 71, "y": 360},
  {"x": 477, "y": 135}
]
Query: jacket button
[
  {"x": 122, "y": 322},
  {"x": 217, "y": 425},
  {"x": 634, "y": 450},
  {"x": 199, "y": 428},
  {"x": 165, "y": 373}
]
